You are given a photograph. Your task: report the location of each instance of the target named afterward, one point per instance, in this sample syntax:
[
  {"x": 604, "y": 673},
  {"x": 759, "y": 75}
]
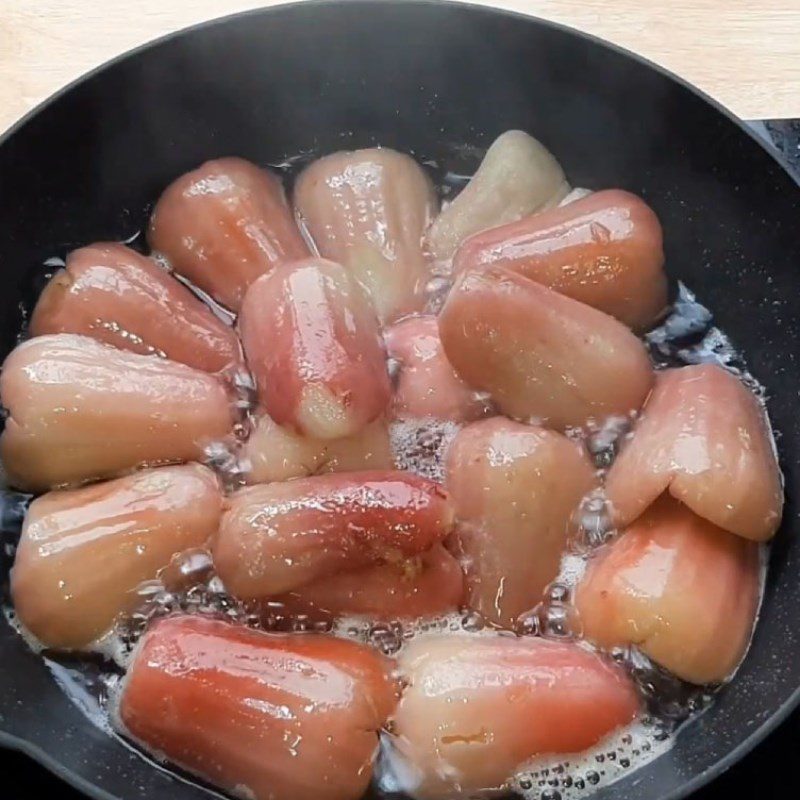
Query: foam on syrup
[
  {"x": 573, "y": 777},
  {"x": 686, "y": 336},
  {"x": 572, "y": 569},
  {"x": 420, "y": 445}
]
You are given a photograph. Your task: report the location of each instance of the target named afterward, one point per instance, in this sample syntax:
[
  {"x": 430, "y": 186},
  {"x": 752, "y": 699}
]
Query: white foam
[
  {"x": 420, "y": 445},
  {"x": 572, "y": 777},
  {"x": 572, "y": 569}
]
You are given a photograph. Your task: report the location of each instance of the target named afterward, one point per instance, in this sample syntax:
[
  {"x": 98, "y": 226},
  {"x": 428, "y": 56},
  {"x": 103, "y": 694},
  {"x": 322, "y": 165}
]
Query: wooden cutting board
[{"x": 745, "y": 53}]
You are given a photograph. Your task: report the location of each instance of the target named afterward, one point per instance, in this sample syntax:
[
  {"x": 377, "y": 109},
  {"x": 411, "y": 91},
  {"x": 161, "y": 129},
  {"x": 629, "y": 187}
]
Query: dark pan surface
[{"x": 421, "y": 77}]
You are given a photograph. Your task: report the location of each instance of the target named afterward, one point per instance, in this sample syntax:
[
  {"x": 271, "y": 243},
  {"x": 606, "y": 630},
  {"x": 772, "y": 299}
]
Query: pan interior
[{"x": 434, "y": 80}]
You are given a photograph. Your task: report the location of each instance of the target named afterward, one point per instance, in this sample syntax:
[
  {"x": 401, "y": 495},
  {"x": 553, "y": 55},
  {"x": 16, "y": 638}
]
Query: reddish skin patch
[
  {"x": 476, "y": 707},
  {"x": 309, "y": 329},
  {"x": 540, "y": 354},
  {"x": 83, "y": 552},
  {"x": 117, "y": 296},
  {"x": 424, "y": 586},
  {"x": 280, "y": 536},
  {"x": 286, "y": 717},
  {"x": 682, "y": 589},
  {"x": 605, "y": 250},
  {"x": 704, "y": 438},
  {"x": 427, "y": 385},
  {"x": 223, "y": 225}
]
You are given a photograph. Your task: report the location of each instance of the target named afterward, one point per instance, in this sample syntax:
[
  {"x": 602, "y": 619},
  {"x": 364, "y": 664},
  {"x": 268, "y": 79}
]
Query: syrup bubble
[
  {"x": 189, "y": 585},
  {"x": 420, "y": 445}
]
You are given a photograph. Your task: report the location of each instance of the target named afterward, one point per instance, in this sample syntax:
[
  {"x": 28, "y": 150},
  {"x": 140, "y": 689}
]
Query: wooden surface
[{"x": 746, "y": 53}]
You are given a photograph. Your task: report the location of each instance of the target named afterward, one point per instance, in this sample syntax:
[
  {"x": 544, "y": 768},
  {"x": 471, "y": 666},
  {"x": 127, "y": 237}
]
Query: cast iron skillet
[{"x": 420, "y": 77}]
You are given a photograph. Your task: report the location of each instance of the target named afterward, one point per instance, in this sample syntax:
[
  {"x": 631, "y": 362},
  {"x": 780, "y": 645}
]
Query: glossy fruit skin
[
  {"x": 516, "y": 490},
  {"x": 542, "y": 356},
  {"x": 426, "y": 384},
  {"x": 682, "y": 590},
  {"x": 117, "y": 296},
  {"x": 81, "y": 410},
  {"x": 83, "y": 552},
  {"x": 426, "y": 585},
  {"x": 279, "y": 536},
  {"x": 704, "y": 438},
  {"x": 368, "y": 210},
  {"x": 262, "y": 715},
  {"x": 313, "y": 344},
  {"x": 605, "y": 250},
  {"x": 517, "y": 176},
  {"x": 223, "y": 225},
  {"x": 476, "y": 707},
  {"x": 275, "y": 453}
]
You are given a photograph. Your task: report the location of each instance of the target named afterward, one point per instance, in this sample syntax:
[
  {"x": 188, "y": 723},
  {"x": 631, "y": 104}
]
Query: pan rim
[
  {"x": 27, "y": 745},
  {"x": 476, "y": 6}
]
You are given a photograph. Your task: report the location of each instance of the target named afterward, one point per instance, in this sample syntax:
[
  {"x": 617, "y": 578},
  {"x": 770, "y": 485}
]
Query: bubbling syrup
[{"x": 189, "y": 585}]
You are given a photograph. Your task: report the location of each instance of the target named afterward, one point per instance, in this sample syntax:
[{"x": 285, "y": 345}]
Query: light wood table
[{"x": 746, "y": 53}]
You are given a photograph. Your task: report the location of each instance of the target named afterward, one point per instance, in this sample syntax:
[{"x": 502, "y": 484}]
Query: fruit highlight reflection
[{"x": 419, "y": 510}]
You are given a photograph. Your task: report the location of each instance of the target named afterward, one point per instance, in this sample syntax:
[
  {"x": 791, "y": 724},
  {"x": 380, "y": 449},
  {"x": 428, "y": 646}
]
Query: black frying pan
[{"x": 421, "y": 77}]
